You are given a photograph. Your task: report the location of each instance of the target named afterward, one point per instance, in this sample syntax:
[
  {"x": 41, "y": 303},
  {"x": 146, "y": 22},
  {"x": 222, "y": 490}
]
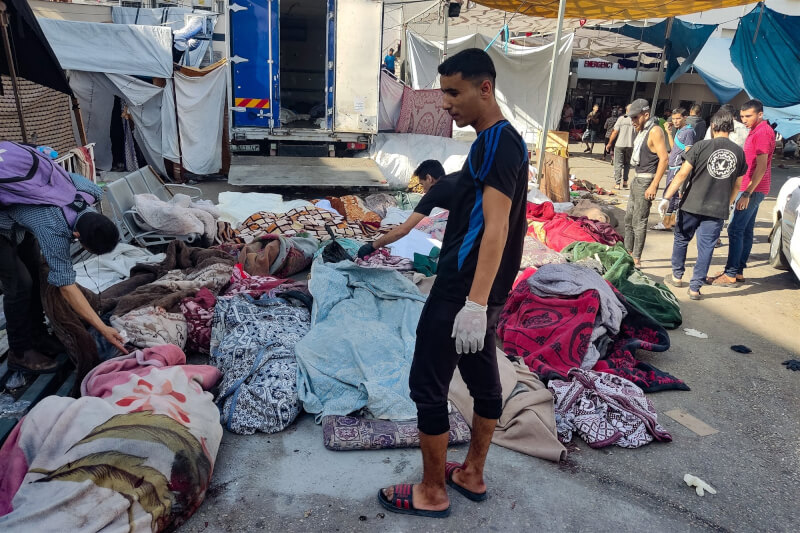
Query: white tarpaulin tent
[
  {"x": 522, "y": 76},
  {"x": 103, "y": 60}
]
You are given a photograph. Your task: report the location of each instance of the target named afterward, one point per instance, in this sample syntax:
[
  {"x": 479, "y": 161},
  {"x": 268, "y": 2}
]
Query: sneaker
[{"x": 660, "y": 227}]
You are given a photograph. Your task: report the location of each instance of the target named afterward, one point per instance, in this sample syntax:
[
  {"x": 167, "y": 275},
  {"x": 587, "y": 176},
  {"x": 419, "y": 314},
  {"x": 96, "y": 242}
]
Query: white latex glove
[
  {"x": 663, "y": 206},
  {"x": 469, "y": 328},
  {"x": 701, "y": 486}
]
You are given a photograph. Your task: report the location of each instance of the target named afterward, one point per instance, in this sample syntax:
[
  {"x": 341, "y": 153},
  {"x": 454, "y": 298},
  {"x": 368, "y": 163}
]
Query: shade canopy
[{"x": 610, "y": 9}]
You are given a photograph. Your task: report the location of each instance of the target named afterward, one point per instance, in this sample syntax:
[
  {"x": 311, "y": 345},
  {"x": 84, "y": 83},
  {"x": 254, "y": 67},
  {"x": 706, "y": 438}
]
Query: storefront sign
[{"x": 599, "y": 69}]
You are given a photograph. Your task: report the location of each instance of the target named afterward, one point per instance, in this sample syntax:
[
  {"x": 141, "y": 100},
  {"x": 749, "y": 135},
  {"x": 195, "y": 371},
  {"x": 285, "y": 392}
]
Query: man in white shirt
[{"x": 740, "y": 131}]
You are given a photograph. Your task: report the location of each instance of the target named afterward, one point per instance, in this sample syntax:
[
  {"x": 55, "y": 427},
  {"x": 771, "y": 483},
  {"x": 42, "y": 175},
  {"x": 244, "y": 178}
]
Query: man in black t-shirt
[
  {"x": 480, "y": 258},
  {"x": 437, "y": 187},
  {"x": 712, "y": 171}
]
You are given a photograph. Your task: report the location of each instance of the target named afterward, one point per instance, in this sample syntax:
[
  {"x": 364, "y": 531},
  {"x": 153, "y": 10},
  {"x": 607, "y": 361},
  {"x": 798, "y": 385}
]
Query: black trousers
[
  {"x": 22, "y": 303},
  {"x": 435, "y": 361}
]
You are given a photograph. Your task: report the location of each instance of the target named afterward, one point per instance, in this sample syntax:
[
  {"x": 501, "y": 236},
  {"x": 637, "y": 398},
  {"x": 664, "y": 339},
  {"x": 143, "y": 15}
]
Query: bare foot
[{"x": 423, "y": 498}]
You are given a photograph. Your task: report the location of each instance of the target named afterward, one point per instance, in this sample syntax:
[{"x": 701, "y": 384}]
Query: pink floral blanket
[{"x": 135, "y": 453}]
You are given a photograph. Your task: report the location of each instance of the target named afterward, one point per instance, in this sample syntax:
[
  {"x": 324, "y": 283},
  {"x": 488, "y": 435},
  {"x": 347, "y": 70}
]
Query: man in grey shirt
[{"x": 623, "y": 149}]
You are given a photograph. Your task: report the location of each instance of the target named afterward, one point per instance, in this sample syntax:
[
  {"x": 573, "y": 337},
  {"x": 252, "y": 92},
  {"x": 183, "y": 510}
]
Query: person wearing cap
[{"x": 649, "y": 161}]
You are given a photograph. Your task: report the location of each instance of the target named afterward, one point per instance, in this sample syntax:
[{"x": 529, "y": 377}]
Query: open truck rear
[{"x": 305, "y": 74}]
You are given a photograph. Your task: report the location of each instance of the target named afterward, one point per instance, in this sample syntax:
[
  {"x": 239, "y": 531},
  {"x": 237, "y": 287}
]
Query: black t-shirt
[
  {"x": 440, "y": 195},
  {"x": 716, "y": 164},
  {"x": 499, "y": 159}
]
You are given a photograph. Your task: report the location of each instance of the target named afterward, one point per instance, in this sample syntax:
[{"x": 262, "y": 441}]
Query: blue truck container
[{"x": 304, "y": 71}]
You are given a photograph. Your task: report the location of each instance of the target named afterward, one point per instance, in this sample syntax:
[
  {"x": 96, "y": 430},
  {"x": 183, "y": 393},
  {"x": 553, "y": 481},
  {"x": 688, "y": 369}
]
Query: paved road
[{"x": 289, "y": 482}]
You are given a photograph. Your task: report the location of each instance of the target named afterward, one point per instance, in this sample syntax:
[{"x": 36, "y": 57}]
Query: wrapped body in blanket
[{"x": 134, "y": 453}]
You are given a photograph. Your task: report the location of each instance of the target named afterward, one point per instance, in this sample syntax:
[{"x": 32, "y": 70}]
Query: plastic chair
[
  {"x": 121, "y": 196},
  {"x": 147, "y": 180}
]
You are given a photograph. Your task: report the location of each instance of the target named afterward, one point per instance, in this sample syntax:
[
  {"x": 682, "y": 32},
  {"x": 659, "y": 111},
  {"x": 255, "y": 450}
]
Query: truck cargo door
[
  {"x": 255, "y": 53},
  {"x": 358, "y": 59}
]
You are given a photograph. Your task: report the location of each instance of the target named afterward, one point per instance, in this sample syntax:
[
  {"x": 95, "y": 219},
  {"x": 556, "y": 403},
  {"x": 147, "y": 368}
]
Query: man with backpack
[{"x": 41, "y": 203}]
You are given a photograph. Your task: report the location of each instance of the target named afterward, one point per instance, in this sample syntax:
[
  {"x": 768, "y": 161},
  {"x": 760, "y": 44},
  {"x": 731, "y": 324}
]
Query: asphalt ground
[{"x": 290, "y": 482}]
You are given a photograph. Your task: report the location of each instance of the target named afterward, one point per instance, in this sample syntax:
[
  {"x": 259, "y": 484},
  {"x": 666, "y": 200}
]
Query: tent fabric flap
[
  {"x": 766, "y": 50},
  {"x": 610, "y": 9},
  {"x": 87, "y": 46},
  {"x": 685, "y": 42},
  {"x": 201, "y": 103},
  {"x": 522, "y": 77},
  {"x": 34, "y": 58}
]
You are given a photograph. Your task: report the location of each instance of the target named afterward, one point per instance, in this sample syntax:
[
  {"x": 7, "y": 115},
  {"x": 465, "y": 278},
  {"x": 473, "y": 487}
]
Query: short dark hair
[
  {"x": 679, "y": 111},
  {"x": 430, "y": 167},
  {"x": 722, "y": 121},
  {"x": 730, "y": 109},
  {"x": 696, "y": 109},
  {"x": 753, "y": 104},
  {"x": 97, "y": 233},
  {"x": 473, "y": 64}
]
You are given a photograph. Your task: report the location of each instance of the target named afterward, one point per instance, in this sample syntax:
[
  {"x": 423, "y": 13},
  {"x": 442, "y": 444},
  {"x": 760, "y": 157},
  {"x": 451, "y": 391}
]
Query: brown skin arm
[
  {"x": 677, "y": 181},
  {"x": 655, "y": 141},
  {"x": 614, "y": 135},
  {"x": 77, "y": 301},
  {"x": 758, "y": 175},
  {"x": 496, "y": 209},
  {"x": 735, "y": 190},
  {"x": 399, "y": 232}
]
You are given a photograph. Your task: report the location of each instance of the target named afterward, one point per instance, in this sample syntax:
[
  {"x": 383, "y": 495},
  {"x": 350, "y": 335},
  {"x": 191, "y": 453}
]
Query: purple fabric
[{"x": 604, "y": 409}]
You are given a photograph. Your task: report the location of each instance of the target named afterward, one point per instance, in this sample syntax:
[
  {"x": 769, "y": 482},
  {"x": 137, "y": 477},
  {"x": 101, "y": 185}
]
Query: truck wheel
[{"x": 776, "y": 257}]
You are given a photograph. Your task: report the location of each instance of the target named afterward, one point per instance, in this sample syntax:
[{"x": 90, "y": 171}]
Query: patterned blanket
[
  {"x": 604, "y": 410},
  {"x": 252, "y": 343},
  {"x": 135, "y": 453},
  {"x": 273, "y": 255},
  {"x": 308, "y": 221},
  {"x": 421, "y": 112}
]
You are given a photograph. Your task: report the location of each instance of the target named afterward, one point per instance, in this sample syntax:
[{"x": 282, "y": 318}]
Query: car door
[{"x": 791, "y": 237}]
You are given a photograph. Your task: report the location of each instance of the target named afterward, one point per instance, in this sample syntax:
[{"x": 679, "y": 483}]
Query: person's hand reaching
[{"x": 366, "y": 250}]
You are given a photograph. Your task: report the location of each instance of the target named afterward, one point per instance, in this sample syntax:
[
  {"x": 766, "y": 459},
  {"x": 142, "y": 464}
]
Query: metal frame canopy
[{"x": 610, "y": 9}]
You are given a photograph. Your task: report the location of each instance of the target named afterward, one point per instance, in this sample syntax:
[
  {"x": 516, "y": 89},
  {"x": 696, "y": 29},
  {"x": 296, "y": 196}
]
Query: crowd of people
[{"x": 715, "y": 173}]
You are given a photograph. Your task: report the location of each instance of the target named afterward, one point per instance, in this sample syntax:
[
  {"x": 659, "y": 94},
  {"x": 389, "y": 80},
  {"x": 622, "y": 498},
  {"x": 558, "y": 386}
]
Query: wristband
[{"x": 745, "y": 194}]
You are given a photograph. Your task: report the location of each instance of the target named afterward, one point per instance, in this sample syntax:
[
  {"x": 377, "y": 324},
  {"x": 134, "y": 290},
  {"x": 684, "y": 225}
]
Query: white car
[{"x": 784, "y": 241}]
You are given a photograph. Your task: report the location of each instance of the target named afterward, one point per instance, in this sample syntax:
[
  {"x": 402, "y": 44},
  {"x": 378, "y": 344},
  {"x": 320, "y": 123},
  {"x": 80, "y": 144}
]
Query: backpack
[{"x": 28, "y": 177}]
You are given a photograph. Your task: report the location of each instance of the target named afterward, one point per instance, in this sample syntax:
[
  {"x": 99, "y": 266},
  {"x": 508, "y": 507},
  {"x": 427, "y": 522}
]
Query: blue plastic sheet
[
  {"x": 766, "y": 50},
  {"x": 686, "y": 40},
  {"x": 724, "y": 91}
]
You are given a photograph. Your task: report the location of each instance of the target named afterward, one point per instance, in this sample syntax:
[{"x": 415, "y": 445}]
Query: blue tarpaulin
[
  {"x": 724, "y": 91},
  {"x": 766, "y": 50},
  {"x": 685, "y": 41}
]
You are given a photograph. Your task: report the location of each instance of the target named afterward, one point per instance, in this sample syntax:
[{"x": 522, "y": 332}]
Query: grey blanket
[{"x": 571, "y": 280}]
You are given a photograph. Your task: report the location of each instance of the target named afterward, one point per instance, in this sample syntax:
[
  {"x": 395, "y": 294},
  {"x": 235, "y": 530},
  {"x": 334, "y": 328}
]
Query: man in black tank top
[{"x": 649, "y": 160}]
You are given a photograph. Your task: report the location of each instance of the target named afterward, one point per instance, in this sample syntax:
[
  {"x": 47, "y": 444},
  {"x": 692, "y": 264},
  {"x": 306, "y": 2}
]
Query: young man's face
[
  {"x": 678, "y": 121},
  {"x": 751, "y": 118},
  {"x": 465, "y": 100},
  {"x": 427, "y": 182}
]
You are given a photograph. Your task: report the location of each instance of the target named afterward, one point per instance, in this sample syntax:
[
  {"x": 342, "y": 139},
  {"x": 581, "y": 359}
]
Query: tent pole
[
  {"x": 636, "y": 77},
  {"x": 11, "y": 69},
  {"x": 446, "y": 24},
  {"x": 654, "y": 105},
  {"x": 562, "y": 4},
  {"x": 76, "y": 111}
]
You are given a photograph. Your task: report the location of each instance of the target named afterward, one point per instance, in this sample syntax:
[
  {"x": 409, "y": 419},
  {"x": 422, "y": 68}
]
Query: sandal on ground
[
  {"x": 449, "y": 470},
  {"x": 670, "y": 280},
  {"x": 624, "y": 184},
  {"x": 616, "y": 186},
  {"x": 694, "y": 295},
  {"x": 402, "y": 502},
  {"x": 723, "y": 281}
]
